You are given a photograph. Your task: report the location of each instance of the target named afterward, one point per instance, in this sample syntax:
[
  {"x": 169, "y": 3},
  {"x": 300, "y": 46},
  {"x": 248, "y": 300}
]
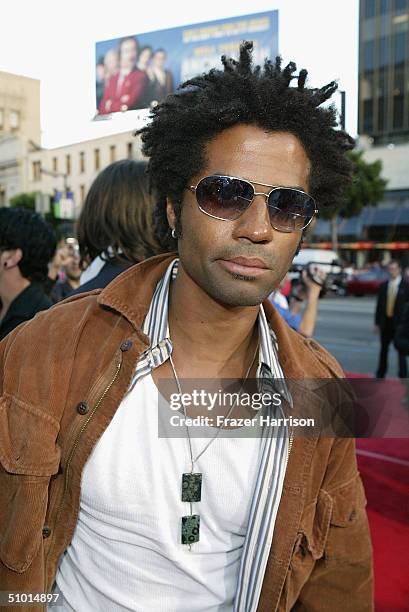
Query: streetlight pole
[
  {"x": 55, "y": 175},
  {"x": 343, "y": 103}
]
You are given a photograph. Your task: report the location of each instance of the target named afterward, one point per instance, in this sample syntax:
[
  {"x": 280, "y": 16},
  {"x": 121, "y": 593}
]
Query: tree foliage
[
  {"x": 24, "y": 200},
  {"x": 366, "y": 189}
]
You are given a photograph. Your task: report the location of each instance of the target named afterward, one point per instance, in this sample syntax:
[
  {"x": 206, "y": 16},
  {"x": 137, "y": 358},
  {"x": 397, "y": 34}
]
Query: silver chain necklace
[{"x": 192, "y": 481}]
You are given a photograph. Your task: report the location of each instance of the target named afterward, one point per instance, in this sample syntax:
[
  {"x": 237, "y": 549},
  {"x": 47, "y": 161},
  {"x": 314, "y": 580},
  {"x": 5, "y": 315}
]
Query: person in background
[
  {"x": 307, "y": 293},
  {"x": 115, "y": 228},
  {"x": 124, "y": 89},
  {"x": 72, "y": 273},
  {"x": 392, "y": 296},
  {"x": 27, "y": 244}
]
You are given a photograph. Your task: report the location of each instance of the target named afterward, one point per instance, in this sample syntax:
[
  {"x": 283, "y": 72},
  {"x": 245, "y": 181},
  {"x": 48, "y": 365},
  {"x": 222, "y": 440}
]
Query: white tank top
[{"x": 126, "y": 552}]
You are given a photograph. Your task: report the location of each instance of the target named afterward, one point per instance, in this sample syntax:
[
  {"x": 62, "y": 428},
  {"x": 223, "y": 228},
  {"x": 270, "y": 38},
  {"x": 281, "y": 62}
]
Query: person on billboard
[
  {"x": 144, "y": 57},
  {"x": 160, "y": 79},
  {"x": 100, "y": 80},
  {"x": 124, "y": 89},
  {"x": 111, "y": 64},
  {"x": 95, "y": 504}
]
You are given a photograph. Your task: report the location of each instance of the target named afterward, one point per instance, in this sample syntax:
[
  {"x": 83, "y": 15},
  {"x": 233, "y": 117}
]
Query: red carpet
[{"x": 384, "y": 467}]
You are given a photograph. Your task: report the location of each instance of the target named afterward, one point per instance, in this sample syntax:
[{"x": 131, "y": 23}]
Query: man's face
[
  {"x": 72, "y": 267},
  {"x": 394, "y": 270},
  {"x": 159, "y": 59},
  {"x": 208, "y": 245},
  {"x": 129, "y": 53}
]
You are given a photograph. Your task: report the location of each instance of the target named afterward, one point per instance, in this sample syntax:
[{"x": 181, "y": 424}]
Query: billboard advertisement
[{"x": 138, "y": 70}]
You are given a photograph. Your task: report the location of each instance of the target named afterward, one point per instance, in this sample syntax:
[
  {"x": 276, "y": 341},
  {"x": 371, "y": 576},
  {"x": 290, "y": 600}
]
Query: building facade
[
  {"x": 19, "y": 131},
  {"x": 383, "y": 112},
  {"x": 380, "y": 232},
  {"x": 67, "y": 172}
]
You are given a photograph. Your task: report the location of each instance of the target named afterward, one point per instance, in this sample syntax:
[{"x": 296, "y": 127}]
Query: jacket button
[
  {"x": 82, "y": 408},
  {"x": 46, "y": 532},
  {"x": 126, "y": 345}
]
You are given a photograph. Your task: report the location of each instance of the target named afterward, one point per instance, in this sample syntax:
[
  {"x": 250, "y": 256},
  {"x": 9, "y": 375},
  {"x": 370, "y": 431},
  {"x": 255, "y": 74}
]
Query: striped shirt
[{"x": 274, "y": 451}]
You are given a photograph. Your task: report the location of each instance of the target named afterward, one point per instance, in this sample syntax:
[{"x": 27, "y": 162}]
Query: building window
[
  {"x": 368, "y": 55},
  {"x": 68, "y": 164},
  {"x": 383, "y": 51},
  {"x": 401, "y": 6},
  {"x": 398, "y": 112},
  {"x": 129, "y": 150},
  {"x": 82, "y": 161},
  {"x": 399, "y": 44},
  {"x": 14, "y": 120},
  {"x": 369, "y": 8},
  {"x": 384, "y": 7},
  {"x": 112, "y": 153},
  {"x": 382, "y": 99},
  {"x": 97, "y": 161},
  {"x": 55, "y": 164},
  {"x": 36, "y": 170},
  {"x": 368, "y": 116},
  {"x": 82, "y": 193}
]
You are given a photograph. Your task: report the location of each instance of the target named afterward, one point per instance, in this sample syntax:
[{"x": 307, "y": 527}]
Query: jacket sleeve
[
  {"x": 4, "y": 347},
  {"x": 378, "y": 314},
  {"x": 343, "y": 576},
  {"x": 401, "y": 339}
]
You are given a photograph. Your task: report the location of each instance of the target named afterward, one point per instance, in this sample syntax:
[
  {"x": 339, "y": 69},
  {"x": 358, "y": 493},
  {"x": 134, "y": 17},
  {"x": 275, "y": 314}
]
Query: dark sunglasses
[{"x": 228, "y": 197}]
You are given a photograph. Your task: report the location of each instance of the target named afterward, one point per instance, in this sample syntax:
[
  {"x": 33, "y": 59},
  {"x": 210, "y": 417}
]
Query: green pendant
[
  {"x": 191, "y": 487},
  {"x": 190, "y": 529}
]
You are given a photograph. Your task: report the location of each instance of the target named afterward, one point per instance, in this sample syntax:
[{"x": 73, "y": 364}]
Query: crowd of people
[{"x": 130, "y": 77}]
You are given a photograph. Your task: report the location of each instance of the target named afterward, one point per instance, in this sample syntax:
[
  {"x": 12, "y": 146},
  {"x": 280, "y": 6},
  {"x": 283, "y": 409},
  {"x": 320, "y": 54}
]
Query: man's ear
[
  {"x": 11, "y": 257},
  {"x": 170, "y": 213}
]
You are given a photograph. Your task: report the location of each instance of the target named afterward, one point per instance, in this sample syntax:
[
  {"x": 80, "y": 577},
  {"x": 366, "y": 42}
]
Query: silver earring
[{"x": 174, "y": 233}]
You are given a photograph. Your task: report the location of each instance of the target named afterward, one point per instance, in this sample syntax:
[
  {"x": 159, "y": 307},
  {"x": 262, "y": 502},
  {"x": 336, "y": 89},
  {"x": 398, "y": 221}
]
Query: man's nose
[{"x": 254, "y": 224}]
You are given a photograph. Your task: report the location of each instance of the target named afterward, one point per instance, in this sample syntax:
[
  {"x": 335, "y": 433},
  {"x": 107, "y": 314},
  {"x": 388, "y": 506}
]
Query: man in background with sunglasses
[{"x": 117, "y": 518}]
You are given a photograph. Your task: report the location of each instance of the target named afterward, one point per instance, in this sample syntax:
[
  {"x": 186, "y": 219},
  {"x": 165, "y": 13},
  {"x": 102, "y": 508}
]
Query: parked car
[{"x": 366, "y": 283}]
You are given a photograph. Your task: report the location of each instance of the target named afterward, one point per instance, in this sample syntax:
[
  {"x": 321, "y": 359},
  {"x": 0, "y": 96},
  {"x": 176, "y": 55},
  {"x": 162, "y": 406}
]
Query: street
[{"x": 345, "y": 326}]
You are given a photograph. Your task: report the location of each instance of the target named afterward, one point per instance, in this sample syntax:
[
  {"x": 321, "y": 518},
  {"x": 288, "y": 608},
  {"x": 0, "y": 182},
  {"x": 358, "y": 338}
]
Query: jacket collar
[{"x": 131, "y": 293}]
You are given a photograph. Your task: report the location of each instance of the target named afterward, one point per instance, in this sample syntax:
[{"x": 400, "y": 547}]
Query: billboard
[{"x": 136, "y": 71}]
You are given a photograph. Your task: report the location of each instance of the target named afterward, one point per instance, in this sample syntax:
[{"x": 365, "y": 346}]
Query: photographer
[{"x": 306, "y": 293}]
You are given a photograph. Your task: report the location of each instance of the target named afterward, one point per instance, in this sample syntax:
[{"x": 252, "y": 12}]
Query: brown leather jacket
[{"x": 63, "y": 375}]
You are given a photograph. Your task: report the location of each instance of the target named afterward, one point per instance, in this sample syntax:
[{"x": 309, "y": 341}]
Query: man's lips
[{"x": 245, "y": 266}]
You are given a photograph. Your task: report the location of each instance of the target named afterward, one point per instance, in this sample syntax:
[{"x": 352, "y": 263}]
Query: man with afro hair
[{"x": 126, "y": 504}]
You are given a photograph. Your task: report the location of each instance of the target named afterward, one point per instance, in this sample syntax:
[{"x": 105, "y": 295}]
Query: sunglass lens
[
  {"x": 290, "y": 210},
  {"x": 223, "y": 196}
]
